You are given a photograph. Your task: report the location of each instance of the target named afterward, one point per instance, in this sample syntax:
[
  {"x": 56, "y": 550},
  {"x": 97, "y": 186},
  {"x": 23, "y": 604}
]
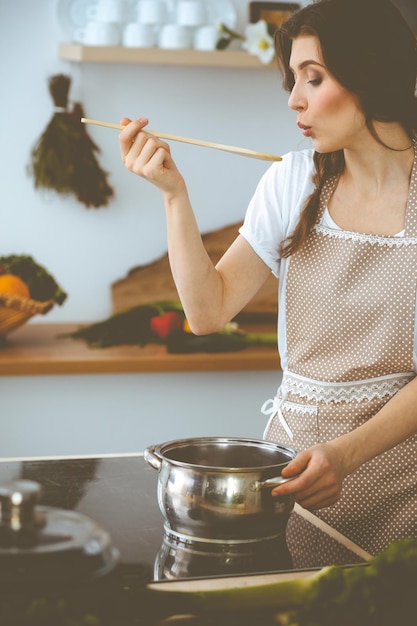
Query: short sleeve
[{"x": 276, "y": 205}]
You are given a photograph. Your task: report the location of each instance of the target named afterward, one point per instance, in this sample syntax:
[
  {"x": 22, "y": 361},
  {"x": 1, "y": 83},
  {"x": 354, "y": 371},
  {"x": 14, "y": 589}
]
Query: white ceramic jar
[
  {"x": 191, "y": 13},
  {"x": 108, "y": 11},
  {"x": 151, "y": 12},
  {"x": 205, "y": 37},
  {"x": 175, "y": 36},
  {"x": 96, "y": 33},
  {"x": 136, "y": 35}
]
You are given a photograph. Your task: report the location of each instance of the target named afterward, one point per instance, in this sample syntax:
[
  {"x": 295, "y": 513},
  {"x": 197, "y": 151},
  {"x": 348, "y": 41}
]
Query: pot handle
[
  {"x": 270, "y": 483},
  {"x": 152, "y": 458}
]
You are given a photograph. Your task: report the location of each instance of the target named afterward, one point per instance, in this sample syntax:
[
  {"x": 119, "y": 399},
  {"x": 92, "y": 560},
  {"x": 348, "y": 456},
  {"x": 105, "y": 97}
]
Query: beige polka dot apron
[{"x": 350, "y": 309}]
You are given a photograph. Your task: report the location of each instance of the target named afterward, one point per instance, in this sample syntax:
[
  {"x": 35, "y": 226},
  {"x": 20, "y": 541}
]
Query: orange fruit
[
  {"x": 186, "y": 327},
  {"x": 9, "y": 283}
]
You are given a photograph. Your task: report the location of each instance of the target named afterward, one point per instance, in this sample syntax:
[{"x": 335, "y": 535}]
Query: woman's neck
[{"x": 372, "y": 192}]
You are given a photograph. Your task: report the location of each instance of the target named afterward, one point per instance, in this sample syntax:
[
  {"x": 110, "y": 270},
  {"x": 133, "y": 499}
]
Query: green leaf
[
  {"x": 223, "y": 43},
  {"x": 130, "y": 327}
]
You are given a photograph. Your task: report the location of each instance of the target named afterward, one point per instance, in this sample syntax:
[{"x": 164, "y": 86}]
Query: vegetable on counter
[
  {"x": 164, "y": 325},
  {"x": 131, "y": 327},
  {"x": 164, "y": 322},
  {"x": 379, "y": 593},
  {"x": 383, "y": 593}
]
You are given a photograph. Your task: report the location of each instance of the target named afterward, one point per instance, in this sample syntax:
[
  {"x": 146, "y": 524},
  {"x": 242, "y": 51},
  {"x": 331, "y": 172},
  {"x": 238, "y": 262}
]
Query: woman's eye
[{"x": 314, "y": 81}]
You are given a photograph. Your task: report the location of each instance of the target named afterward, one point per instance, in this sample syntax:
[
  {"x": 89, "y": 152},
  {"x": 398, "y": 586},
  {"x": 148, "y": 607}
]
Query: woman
[{"x": 338, "y": 226}]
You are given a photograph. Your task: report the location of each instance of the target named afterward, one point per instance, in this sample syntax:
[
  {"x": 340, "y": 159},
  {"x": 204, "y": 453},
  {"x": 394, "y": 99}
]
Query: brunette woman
[{"x": 337, "y": 224}]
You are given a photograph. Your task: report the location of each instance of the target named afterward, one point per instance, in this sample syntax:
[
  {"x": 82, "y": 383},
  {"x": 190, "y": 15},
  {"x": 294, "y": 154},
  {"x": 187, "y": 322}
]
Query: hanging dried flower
[
  {"x": 63, "y": 158},
  {"x": 90, "y": 181}
]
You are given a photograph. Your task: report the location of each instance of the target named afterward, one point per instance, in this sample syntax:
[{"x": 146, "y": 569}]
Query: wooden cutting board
[{"x": 148, "y": 283}]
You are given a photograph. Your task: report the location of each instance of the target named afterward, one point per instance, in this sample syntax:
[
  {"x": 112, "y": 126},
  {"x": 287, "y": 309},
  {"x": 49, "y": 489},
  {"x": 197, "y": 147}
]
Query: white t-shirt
[
  {"x": 272, "y": 215},
  {"x": 274, "y": 209}
]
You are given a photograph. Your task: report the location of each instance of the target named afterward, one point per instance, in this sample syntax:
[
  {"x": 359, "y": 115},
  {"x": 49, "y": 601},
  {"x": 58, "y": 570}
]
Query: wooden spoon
[{"x": 197, "y": 142}]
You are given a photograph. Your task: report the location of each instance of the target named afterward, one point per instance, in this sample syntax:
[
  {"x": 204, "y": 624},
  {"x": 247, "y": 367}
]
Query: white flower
[{"x": 259, "y": 42}]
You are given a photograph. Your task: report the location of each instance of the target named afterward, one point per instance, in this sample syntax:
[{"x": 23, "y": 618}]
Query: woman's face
[{"x": 327, "y": 112}]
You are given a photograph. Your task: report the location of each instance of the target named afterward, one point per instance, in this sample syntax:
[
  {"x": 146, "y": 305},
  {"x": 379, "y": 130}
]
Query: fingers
[
  {"x": 318, "y": 496},
  {"x": 148, "y": 157},
  {"x": 313, "y": 504},
  {"x": 319, "y": 483},
  {"x": 315, "y": 496},
  {"x": 295, "y": 468},
  {"x": 297, "y": 465},
  {"x": 132, "y": 128},
  {"x": 129, "y": 134},
  {"x": 142, "y": 153}
]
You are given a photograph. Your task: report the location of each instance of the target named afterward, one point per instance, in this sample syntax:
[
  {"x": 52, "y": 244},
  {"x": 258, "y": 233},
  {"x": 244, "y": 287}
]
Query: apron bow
[{"x": 272, "y": 407}]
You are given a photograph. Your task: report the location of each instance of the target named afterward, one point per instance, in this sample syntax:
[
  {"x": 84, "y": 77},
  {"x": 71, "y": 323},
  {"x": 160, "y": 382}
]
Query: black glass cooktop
[{"x": 120, "y": 494}]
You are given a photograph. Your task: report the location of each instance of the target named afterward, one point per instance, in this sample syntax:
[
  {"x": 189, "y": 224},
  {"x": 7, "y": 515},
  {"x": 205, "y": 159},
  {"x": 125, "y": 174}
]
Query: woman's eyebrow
[{"x": 307, "y": 62}]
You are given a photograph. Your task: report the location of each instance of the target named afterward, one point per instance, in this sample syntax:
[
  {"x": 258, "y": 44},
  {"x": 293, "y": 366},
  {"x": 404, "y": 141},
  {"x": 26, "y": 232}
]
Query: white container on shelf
[
  {"x": 175, "y": 36},
  {"x": 191, "y": 13},
  {"x": 137, "y": 35},
  {"x": 109, "y": 11},
  {"x": 151, "y": 12},
  {"x": 98, "y": 34},
  {"x": 205, "y": 37}
]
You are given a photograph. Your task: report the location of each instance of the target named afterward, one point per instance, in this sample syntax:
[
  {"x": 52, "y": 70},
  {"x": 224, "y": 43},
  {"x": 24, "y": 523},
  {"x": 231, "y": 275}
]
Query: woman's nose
[{"x": 296, "y": 101}]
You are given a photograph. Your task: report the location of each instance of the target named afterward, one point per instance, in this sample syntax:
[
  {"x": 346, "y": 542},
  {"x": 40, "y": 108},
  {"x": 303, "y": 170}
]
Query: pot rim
[{"x": 161, "y": 449}]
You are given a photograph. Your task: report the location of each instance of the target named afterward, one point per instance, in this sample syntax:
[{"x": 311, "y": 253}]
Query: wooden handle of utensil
[{"x": 196, "y": 142}]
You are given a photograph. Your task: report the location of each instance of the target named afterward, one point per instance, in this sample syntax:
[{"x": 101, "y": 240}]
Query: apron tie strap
[{"x": 272, "y": 407}]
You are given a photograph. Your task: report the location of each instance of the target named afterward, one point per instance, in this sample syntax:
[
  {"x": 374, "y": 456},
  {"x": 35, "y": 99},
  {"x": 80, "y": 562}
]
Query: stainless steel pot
[{"x": 218, "y": 489}]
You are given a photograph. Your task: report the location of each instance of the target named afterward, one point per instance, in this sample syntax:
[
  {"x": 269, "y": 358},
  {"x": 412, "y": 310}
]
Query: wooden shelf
[
  {"x": 157, "y": 56},
  {"x": 39, "y": 349}
]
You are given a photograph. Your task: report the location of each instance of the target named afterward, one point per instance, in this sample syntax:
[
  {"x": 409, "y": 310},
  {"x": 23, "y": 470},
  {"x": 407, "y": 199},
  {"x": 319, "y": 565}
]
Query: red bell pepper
[{"x": 164, "y": 325}]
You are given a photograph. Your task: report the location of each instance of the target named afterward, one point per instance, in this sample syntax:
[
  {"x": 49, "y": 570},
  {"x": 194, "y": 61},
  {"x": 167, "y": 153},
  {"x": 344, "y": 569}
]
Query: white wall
[
  {"x": 88, "y": 249},
  {"x": 125, "y": 413}
]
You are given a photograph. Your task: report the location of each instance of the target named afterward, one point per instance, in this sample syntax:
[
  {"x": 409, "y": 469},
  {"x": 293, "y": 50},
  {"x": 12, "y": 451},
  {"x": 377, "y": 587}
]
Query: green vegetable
[
  {"x": 382, "y": 592},
  {"x": 137, "y": 326},
  {"x": 213, "y": 595},
  {"x": 42, "y": 285},
  {"x": 379, "y": 593},
  {"x": 182, "y": 342},
  {"x": 131, "y": 327}
]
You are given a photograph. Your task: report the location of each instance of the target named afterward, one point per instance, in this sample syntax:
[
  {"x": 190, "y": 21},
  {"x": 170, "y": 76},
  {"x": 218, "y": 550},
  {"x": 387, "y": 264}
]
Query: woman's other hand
[
  {"x": 147, "y": 156},
  {"x": 321, "y": 477}
]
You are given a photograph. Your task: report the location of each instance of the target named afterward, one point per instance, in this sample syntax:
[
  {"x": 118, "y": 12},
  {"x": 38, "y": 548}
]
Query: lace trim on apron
[
  {"x": 357, "y": 391},
  {"x": 391, "y": 242},
  {"x": 327, "y": 392}
]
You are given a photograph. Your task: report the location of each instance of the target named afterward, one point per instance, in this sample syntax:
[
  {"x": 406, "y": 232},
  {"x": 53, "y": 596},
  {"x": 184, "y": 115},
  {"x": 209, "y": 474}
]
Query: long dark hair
[{"x": 370, "y": 50}]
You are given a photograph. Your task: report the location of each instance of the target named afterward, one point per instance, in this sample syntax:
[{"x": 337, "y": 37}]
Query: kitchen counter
[
  {"x": 119, "y": 492},
  {"x": 40, "y": 348}
]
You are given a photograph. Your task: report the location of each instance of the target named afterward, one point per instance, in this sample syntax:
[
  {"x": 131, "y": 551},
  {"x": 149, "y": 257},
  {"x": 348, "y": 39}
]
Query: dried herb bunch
[
  {"x": 90, "y": 180},
  {"x": 63, "y": 158}
]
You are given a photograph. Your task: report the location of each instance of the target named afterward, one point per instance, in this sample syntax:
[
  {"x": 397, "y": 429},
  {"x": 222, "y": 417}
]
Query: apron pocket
[{"x": 298, "y": 420}]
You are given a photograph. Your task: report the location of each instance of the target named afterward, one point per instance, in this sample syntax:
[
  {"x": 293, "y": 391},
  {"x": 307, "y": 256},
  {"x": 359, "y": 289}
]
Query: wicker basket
[{"x": 16, "y": 311}]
